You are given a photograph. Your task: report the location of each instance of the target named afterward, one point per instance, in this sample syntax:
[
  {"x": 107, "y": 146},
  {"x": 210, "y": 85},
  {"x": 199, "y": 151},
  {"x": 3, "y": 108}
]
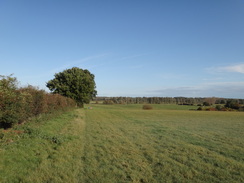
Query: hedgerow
[{"x": 19, "y": 104}]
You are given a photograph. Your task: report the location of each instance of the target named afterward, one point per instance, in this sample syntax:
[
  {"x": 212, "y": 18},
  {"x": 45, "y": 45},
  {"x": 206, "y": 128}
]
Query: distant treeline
[
  {"x": 18, "y": 104},
  {"x": 167, "y": 100}
]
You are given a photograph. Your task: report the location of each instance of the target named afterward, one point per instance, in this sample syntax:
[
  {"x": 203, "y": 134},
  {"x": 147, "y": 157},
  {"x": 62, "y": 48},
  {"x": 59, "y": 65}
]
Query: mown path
[
  {"x": 66, "y": 163},
  {"x": 46, "y": 151}
]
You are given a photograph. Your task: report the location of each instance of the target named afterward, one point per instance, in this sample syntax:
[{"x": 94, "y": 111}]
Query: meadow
[
  {"x": 123, "y": 143},
  {"x": 166, "y": 144}
]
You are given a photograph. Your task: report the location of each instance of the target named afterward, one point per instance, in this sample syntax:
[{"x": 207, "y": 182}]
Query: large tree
[{"x": 75, "y": 83}]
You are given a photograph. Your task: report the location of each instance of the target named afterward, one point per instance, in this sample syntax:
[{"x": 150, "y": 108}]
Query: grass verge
[{"x": 46, "y": 151}]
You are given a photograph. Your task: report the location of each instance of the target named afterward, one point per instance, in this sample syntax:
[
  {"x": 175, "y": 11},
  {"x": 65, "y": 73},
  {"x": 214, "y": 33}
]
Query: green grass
[
  {"x": 139, "y": 106},
  {"x": 123, "y": 143},
  {"x": 47, "y": 151},
  {"x": 128, "y": 144}
]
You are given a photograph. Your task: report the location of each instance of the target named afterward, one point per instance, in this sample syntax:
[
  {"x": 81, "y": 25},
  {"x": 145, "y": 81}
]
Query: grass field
[
  {"x": 123, "y": 143},
  {"x": 128, "y": 144}
]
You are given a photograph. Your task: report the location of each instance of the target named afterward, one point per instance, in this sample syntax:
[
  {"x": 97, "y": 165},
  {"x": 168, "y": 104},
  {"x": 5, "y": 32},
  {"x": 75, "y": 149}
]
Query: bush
[
  {"x": 199, "y": 108},
  {"x": 147, "y": 107},
  {"x": 9, "y": 101},
  {"x": 241, "y": 108},
  {"x": 210, "y": 109},
  {"x": 218, "y": 107},
  {"x": 206, "y": 104},
  {"x": 36, "y": 100},
  {"x": 233, "y": 104},
  {"x": 17, "y": 105},
  {"x": 224, "y": 109}
]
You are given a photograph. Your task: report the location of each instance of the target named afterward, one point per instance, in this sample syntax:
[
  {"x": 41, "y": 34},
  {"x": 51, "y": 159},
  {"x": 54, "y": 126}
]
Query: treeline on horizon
[
  {"x": 170, "y": 100},
  {"x": 207, "y": 103},
  {"x": 19, "y": 104}
]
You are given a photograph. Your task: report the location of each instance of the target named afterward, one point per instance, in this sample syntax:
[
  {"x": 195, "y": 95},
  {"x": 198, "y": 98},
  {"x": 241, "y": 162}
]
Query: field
[
  {"x": 128, "y": 144},
  {"x": 123, "y": 143}
]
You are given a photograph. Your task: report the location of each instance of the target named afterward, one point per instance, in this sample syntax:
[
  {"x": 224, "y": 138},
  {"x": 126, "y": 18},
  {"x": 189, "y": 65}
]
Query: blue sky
[{"x": 134, "y": 48}]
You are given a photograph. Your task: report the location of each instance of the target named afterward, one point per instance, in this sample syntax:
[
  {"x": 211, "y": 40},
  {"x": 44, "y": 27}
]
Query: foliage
[
  {"x": 210, "y": 109},
  {"x": 10, "y": 101},
  {"x": 206, "y": 104},
  {"x": 19, "y": 104},
  {"x": 233, "y": 104},
  {"x": 222, "y": 101},
  {"x": 8, "y": 83},
  {"x": 218, "y": 107},
  {"x": 109, "y": 102},
  {"x": 147, "y": 107},
  {"x": 74, "y": 83},
  {"x": 199, "y": 108},
  {"x": 166, "y": 100},
  {"x": 210, "y": 101}
]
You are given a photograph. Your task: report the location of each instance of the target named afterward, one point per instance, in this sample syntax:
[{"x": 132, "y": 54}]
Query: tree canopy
[{"x": 75, "y": 83}]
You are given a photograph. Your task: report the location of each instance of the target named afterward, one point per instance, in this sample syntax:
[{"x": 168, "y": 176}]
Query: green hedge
[{"x": 19, "y": 104}]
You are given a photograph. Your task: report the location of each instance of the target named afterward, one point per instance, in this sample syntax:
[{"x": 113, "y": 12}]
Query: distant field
[
  {"x": 123, "y": 143},
  {"x": 127, "y": 144}
]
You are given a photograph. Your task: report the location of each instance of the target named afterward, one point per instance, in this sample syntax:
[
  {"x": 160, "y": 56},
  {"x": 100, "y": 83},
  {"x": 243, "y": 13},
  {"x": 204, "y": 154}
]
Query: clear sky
[{"x": 167, "y": 48}]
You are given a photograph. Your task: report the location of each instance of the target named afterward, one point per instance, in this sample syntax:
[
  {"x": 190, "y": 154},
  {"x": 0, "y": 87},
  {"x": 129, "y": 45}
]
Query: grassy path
[
  {"x": 48, "y": 151},
  {"x": 66, "y": 163}
]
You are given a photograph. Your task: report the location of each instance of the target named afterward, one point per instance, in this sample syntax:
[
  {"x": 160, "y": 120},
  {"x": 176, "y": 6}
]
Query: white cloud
[
  {"x": 239, "y": 68},
  {"x": 94, "y": 57},
  {"x": 78, "y": 62},
  {"x": 132, "y": 56}
]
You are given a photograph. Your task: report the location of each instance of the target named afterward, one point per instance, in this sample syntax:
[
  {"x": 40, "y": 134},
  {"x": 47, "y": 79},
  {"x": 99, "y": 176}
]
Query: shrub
[
  {"x": 241, "y": 108},
  {"x": 147, "y": 107},
  {"x": 9, "y": 101},
  {"x": 17, "y": 105},
  {"x": 206, "y": 104},
  {"x": 233, "y": 104},
  {"x": 218, "y": 107},
  {"x": 224, "y": 109},
  {"x": 199, "y": 108},
  {"x": 212, "y": 109}
]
